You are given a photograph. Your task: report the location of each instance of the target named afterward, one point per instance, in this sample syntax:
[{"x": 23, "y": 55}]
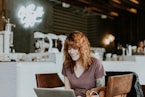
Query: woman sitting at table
[
  {"x": 140, "y": 48},
  {"x": 81, "y": 71}
]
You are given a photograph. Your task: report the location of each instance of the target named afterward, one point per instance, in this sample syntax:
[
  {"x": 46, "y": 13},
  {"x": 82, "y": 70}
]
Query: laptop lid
[{"x": 53, "y": 92}]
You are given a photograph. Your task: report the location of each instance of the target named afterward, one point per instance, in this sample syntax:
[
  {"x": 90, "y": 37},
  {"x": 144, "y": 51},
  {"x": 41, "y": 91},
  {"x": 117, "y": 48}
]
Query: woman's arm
[
  {"x": 66, "y": 83},
  {"x": 100, "y": 82}
]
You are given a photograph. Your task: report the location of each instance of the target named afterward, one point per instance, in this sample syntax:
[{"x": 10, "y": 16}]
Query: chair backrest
[
  {"x": 49, "y": 80},
  {"x": 143, "y": 89},
  {"x": 118, "y": 85}
]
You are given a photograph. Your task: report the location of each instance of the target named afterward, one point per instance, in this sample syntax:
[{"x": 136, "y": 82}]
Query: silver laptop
[{"x": 53, "y": 92}]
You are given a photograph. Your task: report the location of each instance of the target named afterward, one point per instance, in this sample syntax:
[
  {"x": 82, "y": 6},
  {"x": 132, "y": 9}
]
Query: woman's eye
[
  {"x": 74, "y": 48},
  {"x": 69, "y": 48}
]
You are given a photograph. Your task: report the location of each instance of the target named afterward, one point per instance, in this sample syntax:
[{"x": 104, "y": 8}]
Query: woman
[
  {"x": 81, "y": 71},
  {"x": 140, "y": 48}
]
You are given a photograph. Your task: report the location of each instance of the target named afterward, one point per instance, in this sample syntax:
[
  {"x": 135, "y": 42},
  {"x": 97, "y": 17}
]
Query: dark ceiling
[{"x": 112, "y": 8}]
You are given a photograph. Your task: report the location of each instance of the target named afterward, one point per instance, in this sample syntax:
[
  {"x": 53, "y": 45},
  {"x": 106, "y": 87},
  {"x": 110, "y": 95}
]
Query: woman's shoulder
[{"x": 96, "y": 61}]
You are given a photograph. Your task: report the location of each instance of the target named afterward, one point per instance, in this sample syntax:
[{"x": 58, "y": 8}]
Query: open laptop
[{"x": 53, "y": 92}]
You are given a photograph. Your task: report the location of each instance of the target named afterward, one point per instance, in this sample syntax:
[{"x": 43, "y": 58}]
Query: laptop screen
[{"x": 54, "y": 92}]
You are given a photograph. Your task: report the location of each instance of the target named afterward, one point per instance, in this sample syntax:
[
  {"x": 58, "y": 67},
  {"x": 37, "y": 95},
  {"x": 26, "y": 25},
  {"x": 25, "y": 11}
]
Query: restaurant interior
[{"x": 33, "y": 32}]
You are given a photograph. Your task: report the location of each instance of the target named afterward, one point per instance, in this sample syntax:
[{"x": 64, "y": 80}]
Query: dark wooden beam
[{"x": 108, "y": 6}]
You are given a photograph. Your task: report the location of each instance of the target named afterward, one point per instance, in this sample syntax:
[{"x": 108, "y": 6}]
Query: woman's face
[
  {"x": 141, "y": 44},
  {"x": 74, "y": 53}
]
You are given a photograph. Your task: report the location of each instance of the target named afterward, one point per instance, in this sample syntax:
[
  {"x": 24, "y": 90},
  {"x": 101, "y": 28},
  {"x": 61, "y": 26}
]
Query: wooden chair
[
  {"x": 50, "y": 80},
  {"x": 143, "y": 89},
  {"x": 117, "y": 86}
]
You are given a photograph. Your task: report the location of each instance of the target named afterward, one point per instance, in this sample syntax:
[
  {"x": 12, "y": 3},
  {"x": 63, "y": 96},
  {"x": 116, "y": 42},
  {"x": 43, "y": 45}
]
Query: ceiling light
[
  {"x": 132, "y": 10},
  {"x": 103, "y": 16},
  {"x": 116, "y": 1},
  {"x": 114, "y": 13},
  {"x": 135, "y": 1},
  {"x": 65, "y": 5}
]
